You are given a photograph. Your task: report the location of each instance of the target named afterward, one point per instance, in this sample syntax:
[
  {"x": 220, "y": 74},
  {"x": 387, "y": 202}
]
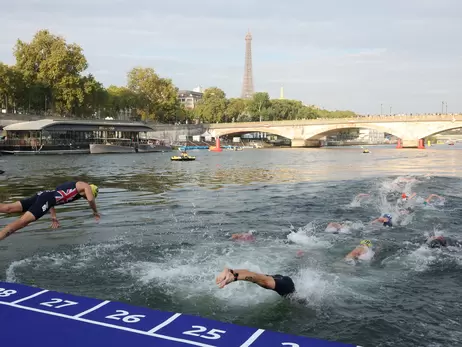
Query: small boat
[
  {"x": 182, "y": 158},
  {"x": 366, "y": 151}
]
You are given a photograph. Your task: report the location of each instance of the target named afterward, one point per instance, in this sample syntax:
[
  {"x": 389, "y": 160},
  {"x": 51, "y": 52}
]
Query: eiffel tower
[{"x": 247, "y": 83}]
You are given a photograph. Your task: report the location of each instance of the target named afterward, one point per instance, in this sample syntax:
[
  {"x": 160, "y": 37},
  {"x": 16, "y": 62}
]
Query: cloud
[{"x": 354, "y": 54}]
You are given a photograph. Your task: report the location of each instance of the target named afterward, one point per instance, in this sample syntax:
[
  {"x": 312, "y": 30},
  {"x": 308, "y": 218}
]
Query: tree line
[
  {"x": 48, "y": 78},
  {"x": 215, "y": 107}
]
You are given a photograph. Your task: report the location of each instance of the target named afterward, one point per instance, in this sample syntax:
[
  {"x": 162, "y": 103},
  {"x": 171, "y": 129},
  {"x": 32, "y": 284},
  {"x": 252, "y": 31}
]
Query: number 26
[{"x": 212, "y": 333}]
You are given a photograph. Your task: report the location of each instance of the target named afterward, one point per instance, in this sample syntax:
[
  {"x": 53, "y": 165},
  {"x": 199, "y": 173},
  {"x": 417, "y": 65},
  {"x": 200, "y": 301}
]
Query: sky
[{"x": 361, "y": 55}]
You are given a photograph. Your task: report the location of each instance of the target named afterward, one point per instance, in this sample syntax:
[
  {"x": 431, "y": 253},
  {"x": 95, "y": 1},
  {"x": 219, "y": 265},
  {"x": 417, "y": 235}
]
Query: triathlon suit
[
  {"x": 284, "y": 285},
  {"x": 40, "y": 203},
  {"x": 389, "y": 223}
]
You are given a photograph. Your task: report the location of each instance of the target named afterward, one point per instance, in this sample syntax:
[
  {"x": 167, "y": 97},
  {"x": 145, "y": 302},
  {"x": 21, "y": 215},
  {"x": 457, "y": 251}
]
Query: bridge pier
[
  {"x": 298, "y": 143},
  {"x": 420, "y": 143}
]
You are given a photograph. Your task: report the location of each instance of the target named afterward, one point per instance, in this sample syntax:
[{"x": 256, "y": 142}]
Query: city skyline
[{"x": 361, "y": 56}]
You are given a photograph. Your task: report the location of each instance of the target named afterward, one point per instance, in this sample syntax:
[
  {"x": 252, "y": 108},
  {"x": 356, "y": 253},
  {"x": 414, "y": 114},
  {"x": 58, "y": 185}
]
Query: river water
[{"x": 165, "y": 234}]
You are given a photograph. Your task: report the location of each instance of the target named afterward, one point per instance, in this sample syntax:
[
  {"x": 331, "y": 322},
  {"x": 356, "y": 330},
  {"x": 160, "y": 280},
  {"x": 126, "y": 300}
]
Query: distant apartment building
[{"x": 189, "y": 98}]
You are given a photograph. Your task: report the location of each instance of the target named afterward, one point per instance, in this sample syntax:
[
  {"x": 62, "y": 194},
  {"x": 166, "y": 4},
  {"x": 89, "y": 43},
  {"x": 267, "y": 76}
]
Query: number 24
[{"x": 213, "y": 332}]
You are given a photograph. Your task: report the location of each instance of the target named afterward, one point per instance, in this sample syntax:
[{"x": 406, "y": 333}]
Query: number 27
[{"x": 212, "y": 333}]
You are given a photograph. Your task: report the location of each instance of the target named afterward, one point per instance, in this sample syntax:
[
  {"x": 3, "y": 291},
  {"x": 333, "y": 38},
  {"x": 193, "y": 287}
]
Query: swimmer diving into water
[
  {"x": 39, "y": 204},
  {"x": 283, "y": 285}
]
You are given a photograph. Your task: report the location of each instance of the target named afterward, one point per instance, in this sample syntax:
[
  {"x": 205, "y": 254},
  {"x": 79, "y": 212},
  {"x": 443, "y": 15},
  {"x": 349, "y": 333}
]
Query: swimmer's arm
[
  {"x": 53, "y": 214},
  {"x": 353, "y": 254},
  {"x": 375, "y": 220},
  {"x": 431, "y": 196},
  {"x": 412, "y": 196},
  {"x": 260, "y": 279}
]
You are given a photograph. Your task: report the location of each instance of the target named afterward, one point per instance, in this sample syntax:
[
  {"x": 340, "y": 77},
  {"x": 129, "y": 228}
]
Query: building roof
[
  {"x": 59, "y": 125},
  {"x": 190, "y": 93}
]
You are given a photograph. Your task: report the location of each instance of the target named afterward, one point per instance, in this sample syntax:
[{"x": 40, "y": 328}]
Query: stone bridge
[{"x": 410, "y": 130}]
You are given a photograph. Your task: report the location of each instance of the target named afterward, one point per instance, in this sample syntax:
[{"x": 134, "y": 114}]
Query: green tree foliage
[
  {"x": 157, "y": 97},
  {"x": 212, "y": 107},
  {"x": 236, "y": 110},
  {"x": 56, "y": 65},
  {"x": 258, "y": 106},
  {"x": 12, "y": 87}
]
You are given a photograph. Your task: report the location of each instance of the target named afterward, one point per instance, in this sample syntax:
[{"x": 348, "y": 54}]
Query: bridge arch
[
  {"x": 268, "y": 130},
  {"x": 442, "y": 129},
  {"x": 316, "y": 133}
]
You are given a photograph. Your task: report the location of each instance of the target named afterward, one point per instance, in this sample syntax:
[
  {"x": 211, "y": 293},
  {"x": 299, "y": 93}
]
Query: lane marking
[
  {"x": 30, "y": 296},
  {"x": 167, "y": 322},
  {"x": 252, "y": 338},
  {"x": 140, "y": 332},
  {"x": 101, "y": 304}
]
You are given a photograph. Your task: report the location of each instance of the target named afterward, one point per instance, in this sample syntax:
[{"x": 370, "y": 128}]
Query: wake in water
[{"x": 171, "y": 263}]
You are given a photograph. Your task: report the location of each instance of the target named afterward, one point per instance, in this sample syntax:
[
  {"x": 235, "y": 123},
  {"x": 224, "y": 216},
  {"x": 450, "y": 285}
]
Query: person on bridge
[
  {"x": 40, "y": 203},
  {"x": 283, "y": 285}
]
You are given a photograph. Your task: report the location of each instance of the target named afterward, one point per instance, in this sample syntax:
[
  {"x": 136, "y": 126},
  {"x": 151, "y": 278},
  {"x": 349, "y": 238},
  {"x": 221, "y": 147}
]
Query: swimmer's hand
[
  {"x": 97, "y": 216},
  {"x": 224, "y": 278},
  {"x": 55, "y": 223}
]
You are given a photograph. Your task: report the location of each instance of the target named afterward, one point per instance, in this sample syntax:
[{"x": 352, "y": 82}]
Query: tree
[
  {"x": 212, "y": 107},
  {"x": 235, "y": 109},
  {"x": 57, "y": 65},
  {"x": 260, "y": 101},
  {"x": 12, "y": 87},
  {"x": 157, "y": 97}
]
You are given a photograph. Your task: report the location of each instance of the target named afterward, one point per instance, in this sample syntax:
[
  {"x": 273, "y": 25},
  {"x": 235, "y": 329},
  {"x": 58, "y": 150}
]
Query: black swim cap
[{"x": 436, "y": 243}]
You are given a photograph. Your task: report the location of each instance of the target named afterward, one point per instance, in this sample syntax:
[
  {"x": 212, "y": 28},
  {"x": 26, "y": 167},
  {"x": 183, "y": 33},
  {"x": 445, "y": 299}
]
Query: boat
[
  {"x": 113, "y": 146},
  {"x": 154, "y": 145},
  {"x": 182, "y": 157},
  {"x": 49, "y": 136},
  {"x": 366, "y": 151}
]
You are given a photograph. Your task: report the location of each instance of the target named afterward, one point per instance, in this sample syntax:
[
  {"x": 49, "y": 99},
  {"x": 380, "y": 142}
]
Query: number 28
[
  {"x": 211, "y": 334},
  {"x": 6, "y": 292}
]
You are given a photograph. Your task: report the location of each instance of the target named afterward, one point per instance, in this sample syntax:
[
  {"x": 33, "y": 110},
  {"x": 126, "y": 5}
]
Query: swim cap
[
  {"x": 367, "y": 243},
  {"x": 387, "y": 215},
  {"x": 94, "y": 190},
  {"x": 404, "y": 196},
  {"x": 425, "y": 202}
]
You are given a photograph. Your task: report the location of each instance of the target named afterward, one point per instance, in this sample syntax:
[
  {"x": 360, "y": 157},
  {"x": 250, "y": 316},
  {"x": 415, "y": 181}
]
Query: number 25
[{"x": 213, "y": 332}]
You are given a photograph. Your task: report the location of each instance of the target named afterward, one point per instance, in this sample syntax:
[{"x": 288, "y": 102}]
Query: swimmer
[
  {"x": 39, "y": 204},
  {"x": 334, "y": 227},
  {"x": 243, "y": 236},
  {"x": 441, "y": 241},
  {"x": 361, "y": 196},
  {"x": 283, "y": 285},
  {"x": 431, "y": 196},
  {"x": 386, "y": 219},
  {"x": 362, "y": 252},
  {"x": 405, "y": 197}
]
